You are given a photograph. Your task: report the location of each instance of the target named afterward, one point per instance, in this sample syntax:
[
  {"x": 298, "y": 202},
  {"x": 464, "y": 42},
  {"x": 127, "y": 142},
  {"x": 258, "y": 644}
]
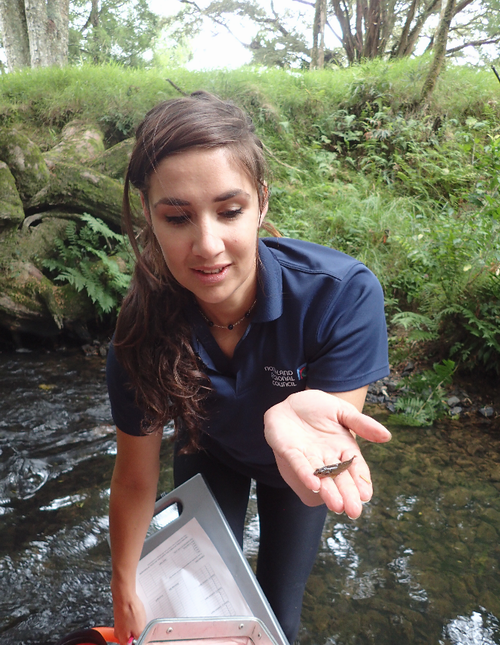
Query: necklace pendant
[{"x": 231, "y": 326}]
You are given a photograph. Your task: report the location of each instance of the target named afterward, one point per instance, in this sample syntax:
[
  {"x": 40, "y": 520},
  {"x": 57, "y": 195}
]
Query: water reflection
[
  {"x": 419, "y": 567},
  {"x": 57, "y": 448},
  {"x": 421, "y": 564}
]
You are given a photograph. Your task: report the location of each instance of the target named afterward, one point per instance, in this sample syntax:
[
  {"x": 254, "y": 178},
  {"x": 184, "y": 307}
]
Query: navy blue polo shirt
[{"x": 318, "y": 322}]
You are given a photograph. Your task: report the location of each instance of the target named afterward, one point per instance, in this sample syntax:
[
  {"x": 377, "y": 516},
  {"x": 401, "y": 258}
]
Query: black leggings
[{"x": 290, "y": 532}]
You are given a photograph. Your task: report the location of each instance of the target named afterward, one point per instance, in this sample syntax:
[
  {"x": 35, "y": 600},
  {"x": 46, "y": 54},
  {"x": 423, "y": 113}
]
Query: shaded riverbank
[{"x": 474, "y": 398}]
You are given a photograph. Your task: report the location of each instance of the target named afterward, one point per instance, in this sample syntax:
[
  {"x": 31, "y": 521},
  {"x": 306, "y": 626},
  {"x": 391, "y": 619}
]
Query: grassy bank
[{"x": 355, "y": 165}]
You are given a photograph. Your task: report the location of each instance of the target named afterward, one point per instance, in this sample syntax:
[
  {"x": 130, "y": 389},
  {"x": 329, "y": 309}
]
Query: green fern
[
  {"x": 424, "y": 403},
  {"x": 421, "y": 327},
  {"x": 91, "y": 258},
  {"x": 414, "y": 412}
]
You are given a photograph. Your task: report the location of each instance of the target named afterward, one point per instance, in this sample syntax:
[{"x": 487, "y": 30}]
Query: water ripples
[{"x": 420, "y": 567}]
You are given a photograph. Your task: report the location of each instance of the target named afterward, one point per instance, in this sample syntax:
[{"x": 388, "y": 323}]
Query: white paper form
[{"x": 185, "y": 577}]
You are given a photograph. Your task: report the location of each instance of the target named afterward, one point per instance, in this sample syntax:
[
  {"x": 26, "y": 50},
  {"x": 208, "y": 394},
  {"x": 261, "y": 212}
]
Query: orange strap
[
  {"x": 95, "y": 636},
  {"x": 108, "y": 633}
]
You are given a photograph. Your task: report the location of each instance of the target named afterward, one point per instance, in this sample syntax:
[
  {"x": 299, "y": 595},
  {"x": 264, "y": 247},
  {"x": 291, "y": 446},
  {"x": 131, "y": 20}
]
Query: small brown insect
[{"x": 334, "y": 469}]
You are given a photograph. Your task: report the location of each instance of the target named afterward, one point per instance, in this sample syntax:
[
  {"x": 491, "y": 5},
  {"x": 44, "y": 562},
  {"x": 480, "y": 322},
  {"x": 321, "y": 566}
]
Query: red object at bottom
[
  {"x": 95, "y": 636},
  {"x": 108, "y": 633}
]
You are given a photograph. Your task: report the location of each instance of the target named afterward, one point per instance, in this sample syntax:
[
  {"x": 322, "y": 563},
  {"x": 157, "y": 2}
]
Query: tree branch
[
  {"x": 217, "y": 21},
  {"x": 421, "y": 20},
  {"x": 282, "y": 163},
  {"x": 461, "y": 6},
  {"x": 339, "y": 38},
  {"x": 403, "y": 41},
  {"x": 342, "y": 15},
  {"x": 176, "y": 87},
  {"x": 474, "y": 43}
]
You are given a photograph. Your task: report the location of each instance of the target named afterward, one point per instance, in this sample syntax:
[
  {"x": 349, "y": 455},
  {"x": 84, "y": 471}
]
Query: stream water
[{"x": 421, "y": 566}]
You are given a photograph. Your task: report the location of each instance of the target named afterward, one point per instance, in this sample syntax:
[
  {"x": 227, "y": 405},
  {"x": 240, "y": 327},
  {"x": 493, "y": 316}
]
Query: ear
[{"x": 145, "y": 209}]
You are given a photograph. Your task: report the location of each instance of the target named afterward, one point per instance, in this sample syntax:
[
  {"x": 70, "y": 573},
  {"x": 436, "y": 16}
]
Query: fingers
[
  {"x": 348, "y": 490},
  {"x": 130, "y": 620},
  {"x": 342, "y": 495}
]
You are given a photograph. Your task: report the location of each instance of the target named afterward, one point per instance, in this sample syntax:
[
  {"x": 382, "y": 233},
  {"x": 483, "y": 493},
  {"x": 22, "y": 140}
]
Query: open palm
[{"x": 311, "y": 429}]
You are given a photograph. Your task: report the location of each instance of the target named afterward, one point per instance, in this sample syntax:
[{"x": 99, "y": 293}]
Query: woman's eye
[
  {"x": 232, "y": 213},
  {"x": 177, "y": 220}
]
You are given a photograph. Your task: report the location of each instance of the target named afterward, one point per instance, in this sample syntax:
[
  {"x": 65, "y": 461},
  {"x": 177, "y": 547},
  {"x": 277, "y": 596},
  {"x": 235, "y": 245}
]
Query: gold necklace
[{"x": 231, "y": 325}]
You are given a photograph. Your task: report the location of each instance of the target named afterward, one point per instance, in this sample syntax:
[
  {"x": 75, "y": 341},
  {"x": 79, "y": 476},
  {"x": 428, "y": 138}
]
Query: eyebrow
[{"x": 174, "y": 201}]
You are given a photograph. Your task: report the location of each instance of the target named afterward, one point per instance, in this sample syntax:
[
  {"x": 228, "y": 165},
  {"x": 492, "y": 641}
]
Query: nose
[{"x": 208, "y": 242}]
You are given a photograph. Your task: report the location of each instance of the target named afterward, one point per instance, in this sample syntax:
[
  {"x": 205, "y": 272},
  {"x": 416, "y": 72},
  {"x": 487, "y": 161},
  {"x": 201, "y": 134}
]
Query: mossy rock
[
  {"x": 27, "y": 301},
  {"x": 32, "y": 243},
  {"x": 41, "y": 194},
  {"x": 80, "y": 143},
  {"x": 37, "y": 242},
  {"x": 114, "y": 161},
  {"x": 75, "y": 187},
  {"x": 25, "y": 161},
  {"x": 31, "y": 303},
  {"x": 11, "y": 206}
]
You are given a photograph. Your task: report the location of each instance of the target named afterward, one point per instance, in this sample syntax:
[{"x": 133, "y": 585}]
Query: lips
[
  {"x": 211, "y": 275},
  {"x": 210, "y": 270}
]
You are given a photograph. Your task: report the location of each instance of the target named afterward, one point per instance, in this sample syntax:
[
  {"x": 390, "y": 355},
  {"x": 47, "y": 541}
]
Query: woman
[{"x": 261, "y": 352}]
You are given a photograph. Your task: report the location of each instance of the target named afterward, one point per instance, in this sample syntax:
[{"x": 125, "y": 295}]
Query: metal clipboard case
[
  {"x": 195, "y": 501},
  {"x": 200, "y": 631}
]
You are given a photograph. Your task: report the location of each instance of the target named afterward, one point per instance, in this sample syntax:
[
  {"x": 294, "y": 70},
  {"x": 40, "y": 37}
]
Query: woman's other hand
[
  {"x": 131, "y": 507},
  {"x": 311, "y": 429},
  {"x": 130, "y": 616}
]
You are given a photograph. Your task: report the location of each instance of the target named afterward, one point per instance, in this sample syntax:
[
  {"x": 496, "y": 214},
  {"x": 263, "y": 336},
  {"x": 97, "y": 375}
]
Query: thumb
[{"x": 363, "y": 425}]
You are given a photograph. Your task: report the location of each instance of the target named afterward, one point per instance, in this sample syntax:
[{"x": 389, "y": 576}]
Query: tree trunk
[
  {"x": 318, "y": 49},
  {"x": 48, "y": 27},
  {"x": 414, "y": 34},
  {"x": 358, "y": 36},
  {"x": 403, "y": 41},
  {"x": 388, "y": 20},
  {"x": 37, "y": 19},
  {"x": 58, "y": 26},
  {"x": 348, "y": 42},
  {"x": 439, "y": 51},
  {"x": 373, "y": 44},
  {"x": 14, "y": 34}
]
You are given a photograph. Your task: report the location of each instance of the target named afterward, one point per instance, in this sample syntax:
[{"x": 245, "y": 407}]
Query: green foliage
[
  {"x": 92, "y": 258},
  {"x": 413, "y": 195},
  {"x": 421, "y": 403},
  {"x": 115, "y": 30},
  {"x": 276, "y": 40},
  {"x": 418, "y": 156},
  {"x": 272, "y": 35},
  {"x": 452, "y": 279}
]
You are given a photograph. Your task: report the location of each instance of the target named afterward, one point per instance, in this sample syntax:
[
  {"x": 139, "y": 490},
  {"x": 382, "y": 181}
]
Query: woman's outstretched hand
[{"x": 311, "y": 429}]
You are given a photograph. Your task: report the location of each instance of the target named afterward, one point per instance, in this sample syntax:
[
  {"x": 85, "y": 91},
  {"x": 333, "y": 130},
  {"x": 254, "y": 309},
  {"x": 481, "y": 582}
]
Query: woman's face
[{"x": 204, "y": 211}]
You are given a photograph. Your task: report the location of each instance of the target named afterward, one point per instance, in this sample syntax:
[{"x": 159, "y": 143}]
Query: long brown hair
[{"x": 153, "y": 336}]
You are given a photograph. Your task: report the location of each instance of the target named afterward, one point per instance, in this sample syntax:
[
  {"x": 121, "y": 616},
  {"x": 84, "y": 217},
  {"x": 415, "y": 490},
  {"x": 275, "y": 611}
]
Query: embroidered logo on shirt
[
  {"x": 285, "y": 378},
  {"x": 302, "y": 372}
]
